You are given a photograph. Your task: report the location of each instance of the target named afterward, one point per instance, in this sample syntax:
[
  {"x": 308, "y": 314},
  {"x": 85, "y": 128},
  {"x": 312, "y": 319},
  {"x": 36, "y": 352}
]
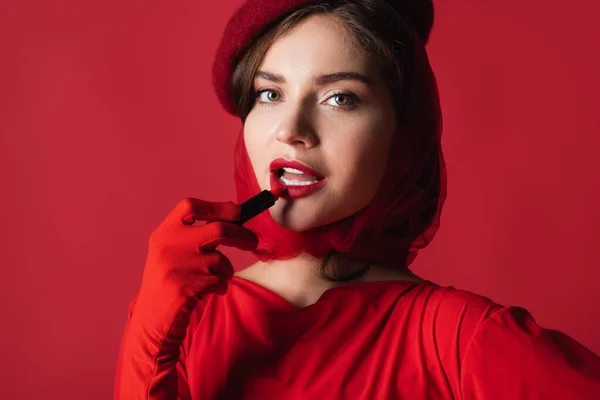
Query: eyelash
[{"x": 353, "y": 98}]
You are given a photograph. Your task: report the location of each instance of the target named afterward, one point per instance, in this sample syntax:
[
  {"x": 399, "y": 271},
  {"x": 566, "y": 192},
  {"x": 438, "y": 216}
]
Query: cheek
[
  {"x": 363, "y": 155},
  {"x": 254, "y": 143}
]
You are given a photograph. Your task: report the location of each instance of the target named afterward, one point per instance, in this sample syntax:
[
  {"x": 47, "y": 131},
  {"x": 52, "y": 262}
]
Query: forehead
[{"x": 318, "y": 44}]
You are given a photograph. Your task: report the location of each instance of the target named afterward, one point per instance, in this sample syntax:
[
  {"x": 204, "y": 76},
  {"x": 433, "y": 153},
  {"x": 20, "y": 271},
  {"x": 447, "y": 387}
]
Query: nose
[{"x": 296, "y": 129}]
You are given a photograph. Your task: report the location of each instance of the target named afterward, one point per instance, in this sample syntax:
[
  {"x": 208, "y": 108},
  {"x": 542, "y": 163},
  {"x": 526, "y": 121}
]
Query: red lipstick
[{"x": 259, "y": 203}]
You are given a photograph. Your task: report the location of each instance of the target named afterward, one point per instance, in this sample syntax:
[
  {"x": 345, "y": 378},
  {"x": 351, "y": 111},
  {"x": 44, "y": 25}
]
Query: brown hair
[{"x": 372, "y": 24}]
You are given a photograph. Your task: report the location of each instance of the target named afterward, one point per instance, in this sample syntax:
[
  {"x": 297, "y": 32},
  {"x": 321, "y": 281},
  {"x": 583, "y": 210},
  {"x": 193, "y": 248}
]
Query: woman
[{"x": 340, "y": 106}]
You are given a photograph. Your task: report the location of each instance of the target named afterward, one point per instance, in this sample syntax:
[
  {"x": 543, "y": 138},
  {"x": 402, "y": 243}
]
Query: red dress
[{"x": 377, "y": 340}]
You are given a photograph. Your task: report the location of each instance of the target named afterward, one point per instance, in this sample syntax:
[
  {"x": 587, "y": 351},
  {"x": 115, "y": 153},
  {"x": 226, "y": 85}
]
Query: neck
[{"x": 299, "y": 280}]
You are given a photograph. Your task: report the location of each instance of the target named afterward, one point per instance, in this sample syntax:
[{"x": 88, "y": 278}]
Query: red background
[{"x": 108, "y": 119}]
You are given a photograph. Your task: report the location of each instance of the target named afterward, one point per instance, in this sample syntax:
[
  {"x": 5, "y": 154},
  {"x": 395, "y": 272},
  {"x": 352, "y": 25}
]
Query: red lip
[
  {"x": 294, "y": 192},
  {"x": 279, "y": 163}
]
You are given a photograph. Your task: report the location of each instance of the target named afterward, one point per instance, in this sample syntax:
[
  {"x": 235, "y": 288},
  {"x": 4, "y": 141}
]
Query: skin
[{"x": 340, "y": 128}]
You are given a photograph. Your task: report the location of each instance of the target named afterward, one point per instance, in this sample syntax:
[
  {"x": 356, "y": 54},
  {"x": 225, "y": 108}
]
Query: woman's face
[{"x": 321, "y": 101}]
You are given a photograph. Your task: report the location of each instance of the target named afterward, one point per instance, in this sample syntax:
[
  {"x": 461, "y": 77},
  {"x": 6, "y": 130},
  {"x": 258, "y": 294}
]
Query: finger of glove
[
  {"x": 188, "y": 274},
  {"x": 174, "y": 246},
  {"x": 209, "y": 236},
  {"x": 220, "y": 271},
  {"x": 216, "y": 263},
  {"x": 190, "y": 210}
]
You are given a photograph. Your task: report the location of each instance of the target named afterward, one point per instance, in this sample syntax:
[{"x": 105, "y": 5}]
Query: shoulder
[
  {"x": 493, "y": 351},
  {"x": 447, "y": 302},
  {"x": 459, "y": 300},
  {"x": 514, "y": 333},
  {"x": 512, "y": 355},
  {"x": 452, "y": 307},
  {"x": 451, "y": 316}
]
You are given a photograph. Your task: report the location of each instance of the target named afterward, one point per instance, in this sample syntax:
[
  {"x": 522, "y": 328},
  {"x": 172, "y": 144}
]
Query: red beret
[{"x": 253, "y": 16}]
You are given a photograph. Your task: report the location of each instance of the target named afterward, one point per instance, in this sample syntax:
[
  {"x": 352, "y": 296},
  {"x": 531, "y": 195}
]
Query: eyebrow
[{"x": 320, "y": 80}]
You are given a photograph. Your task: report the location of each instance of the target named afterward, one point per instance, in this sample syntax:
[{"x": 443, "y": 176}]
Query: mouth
[
  {"x": 294, "y": 177},
  {"x": 298, "y": 179},
  {"x": 294, "y": 173},
  {"x": 295, "y": 189}
]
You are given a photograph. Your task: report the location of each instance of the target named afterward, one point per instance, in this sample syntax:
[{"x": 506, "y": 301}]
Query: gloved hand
[{"x": 182, "y": 266}]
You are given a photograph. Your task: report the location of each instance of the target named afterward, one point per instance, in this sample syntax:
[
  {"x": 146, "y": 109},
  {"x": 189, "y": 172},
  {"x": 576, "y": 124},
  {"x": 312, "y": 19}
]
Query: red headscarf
[{"x": 405, "y": 212}]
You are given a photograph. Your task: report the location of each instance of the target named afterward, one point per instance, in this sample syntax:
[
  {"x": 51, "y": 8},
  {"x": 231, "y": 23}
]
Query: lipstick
[{"x": 259, "y": 203}]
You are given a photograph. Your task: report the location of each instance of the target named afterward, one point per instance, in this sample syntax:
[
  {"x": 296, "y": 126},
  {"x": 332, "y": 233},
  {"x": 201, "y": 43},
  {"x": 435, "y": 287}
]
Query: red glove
[{"x": 182, "y": 266}]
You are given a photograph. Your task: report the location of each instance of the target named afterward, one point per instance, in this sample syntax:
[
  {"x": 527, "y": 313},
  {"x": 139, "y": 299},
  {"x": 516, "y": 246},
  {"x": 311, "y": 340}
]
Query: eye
[
  {"x": 267, "y": 96},
  {"x": 345, "y": 100}
]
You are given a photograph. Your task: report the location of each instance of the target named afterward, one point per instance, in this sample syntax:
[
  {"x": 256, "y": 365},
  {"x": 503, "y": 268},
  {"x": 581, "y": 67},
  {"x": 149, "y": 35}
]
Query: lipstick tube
[{"x": 257, "y": 204}]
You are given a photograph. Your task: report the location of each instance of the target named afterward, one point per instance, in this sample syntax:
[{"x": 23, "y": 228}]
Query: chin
[{"x": 294, "y": 220}]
